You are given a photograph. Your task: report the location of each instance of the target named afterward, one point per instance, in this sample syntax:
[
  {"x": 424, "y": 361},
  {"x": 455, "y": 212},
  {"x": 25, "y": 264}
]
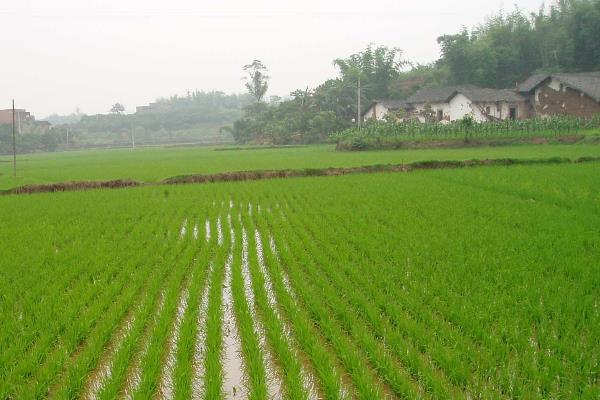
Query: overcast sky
[{"x": 62, "y": 54}]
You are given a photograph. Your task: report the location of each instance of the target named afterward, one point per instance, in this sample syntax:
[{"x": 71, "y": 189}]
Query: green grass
[
  {"x": 155, "y": 164},
  {"x": 479, "y": 282}
]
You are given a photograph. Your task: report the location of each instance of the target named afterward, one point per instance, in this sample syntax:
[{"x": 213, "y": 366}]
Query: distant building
[
  {"x": 453, "y": 103},
  {"x": 153, "y": 107},
  {"x": 576, "y": 94},
  {"x": 22, "y": 117},
  {"x": 42, "y": 126},
  {"x": 24, "y": 121},
  {"x": 380, "y": 108}
]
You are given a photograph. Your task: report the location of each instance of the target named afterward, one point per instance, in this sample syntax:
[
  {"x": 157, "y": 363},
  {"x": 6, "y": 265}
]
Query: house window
[
  {"x": 513, "y": 113},
  {"x": 440, "y": 115}
]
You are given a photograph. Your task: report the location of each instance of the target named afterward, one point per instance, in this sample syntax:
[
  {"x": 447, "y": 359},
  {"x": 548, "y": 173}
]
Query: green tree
[{"x": 257, "y": 79}]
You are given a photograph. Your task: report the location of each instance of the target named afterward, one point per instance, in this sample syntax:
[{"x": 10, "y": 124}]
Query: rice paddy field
[
  {"x": 443, "y": 284},
  {"x": 156, "y": 164}
]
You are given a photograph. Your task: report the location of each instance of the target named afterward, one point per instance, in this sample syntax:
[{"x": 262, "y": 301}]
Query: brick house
[{"x": 576, "y": 94}]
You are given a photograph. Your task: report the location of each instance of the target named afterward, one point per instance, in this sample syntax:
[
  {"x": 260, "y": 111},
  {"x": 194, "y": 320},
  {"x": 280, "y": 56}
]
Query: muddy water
[
  {"x": 233, "y": 383},
  {"x": 274, "y": 384},
  {"x": 103, "y": 372},
  {"x": 183, "y": 230},
  {"x": 167, "y": 388},
  {"x": 198, "y": 379},
  {"x": 134, "y": 376},
  {"x": 219, "y": 232},
  {"x": 207, "y": 230}
]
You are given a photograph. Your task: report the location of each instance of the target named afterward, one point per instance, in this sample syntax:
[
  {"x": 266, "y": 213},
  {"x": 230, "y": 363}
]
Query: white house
[
  {"x": 380, "y": 108},
  {"x": 455, "y": 102}
]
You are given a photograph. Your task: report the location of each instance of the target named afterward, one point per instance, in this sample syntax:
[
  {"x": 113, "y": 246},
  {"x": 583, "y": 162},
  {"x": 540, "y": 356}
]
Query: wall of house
[
  {"x": 554, "y": 98},
  {"x": 377, "y": 110},
  {"x": 445, "y": 107},
  {"x": 460, "y": 106},
  {"x": 500, "y": 110}
]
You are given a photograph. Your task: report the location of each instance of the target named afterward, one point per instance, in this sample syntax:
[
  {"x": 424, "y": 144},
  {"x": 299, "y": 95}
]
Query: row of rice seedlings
[
  {"x": 126, "y": 358},
  {"x": 291, "y": 364},
  {"x": 155, "y": 349},
  {"x": 352, "y": 357},
  {"x": 448, "y": 349},
  {"x": 303, "y": 329},
  {"x": 103, "y": 370},
  {"x": 146, "y": 314},
  {"x": 76, "y": 335},
  {"x": 299, "y": 382},
  {"x": 94, "y": 350},
  {"x": 513, "y": 374},
  {"x": 462, "y": 320},
  {"x": 47, "y": 354},
  {"x": 296, "y": 367},
  {"x": 166, "y": 385},
  {"x": 88, "y": 355},
  {"x": 254, "y": 354},
  {"x": 106, "y": 380},
  {"x": 364, "y": 323},
  {"x": 361, "y": 298},
  {"x": 457, "y": 346},
  {"x": 213, "y": 369},
  {"x": 542, "y": 351},
  {"x": 192, "y": 327}
]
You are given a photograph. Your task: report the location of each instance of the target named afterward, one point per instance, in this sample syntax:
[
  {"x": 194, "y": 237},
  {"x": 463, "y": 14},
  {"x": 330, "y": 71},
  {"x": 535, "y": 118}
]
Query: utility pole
[
  {"x": 67, "y": 137},
  {"x": 132, "y": 138},
  {"x": 359, "y": 111},
  {"x": 14, "y": 141}
]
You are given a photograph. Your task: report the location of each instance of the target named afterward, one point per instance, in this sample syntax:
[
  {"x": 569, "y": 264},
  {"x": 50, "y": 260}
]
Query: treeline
[
  {"x": 509, "y": 47},
  {"x": 504, "y": 50},
  {"x": 29, "y": 142},
  {"x": 171, "y": 114}
]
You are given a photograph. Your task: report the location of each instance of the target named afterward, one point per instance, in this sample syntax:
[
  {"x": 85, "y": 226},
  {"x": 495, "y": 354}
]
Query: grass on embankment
[{"x": 151, "y": 165}]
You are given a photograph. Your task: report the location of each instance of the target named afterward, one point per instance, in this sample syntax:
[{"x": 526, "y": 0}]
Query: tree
[
  {"x": 117, "y": 108},
  {"x": 257, "y": 78},
  {"x": 376, "y": 67}
]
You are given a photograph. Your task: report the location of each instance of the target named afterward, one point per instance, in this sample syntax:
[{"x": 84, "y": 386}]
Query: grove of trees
[{"x": 504, "y": 50}]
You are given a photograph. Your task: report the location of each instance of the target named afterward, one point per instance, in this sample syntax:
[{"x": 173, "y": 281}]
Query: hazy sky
[{"x": 60, "y": 54}]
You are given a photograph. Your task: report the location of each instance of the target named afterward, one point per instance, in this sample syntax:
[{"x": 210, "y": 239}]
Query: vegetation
[
  {"x": 156, "y": 164},
  {"x": 313, "y": 113},
  {"x": 507, "y": 48},
  {"x": 384, "y": 134},
  {"x": 371, "y": 305}
]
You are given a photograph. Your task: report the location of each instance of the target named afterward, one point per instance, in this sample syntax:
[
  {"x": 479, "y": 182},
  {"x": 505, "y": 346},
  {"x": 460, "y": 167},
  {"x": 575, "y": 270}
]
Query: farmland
[
  {"x": 155, "y": 164},
  {"x": 475, "y": 283}
]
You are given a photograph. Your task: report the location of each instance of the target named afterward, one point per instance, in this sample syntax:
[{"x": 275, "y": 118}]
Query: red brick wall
[{"x": 567, "y": 102}]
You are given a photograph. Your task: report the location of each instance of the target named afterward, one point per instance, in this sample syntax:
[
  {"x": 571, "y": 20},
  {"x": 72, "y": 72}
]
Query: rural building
[
  {"x": 153, "y": 107},
  {"x": 576, "y": 94},
  {"x": 22, "y": 117},
  {"x": 380, "y": 108},
  {"x": 24, "y": 121},
  {"x": 452, "y": 103}
]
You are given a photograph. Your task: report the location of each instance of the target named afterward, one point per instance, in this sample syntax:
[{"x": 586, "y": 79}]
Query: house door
[{"x": 513, "y": 113}]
